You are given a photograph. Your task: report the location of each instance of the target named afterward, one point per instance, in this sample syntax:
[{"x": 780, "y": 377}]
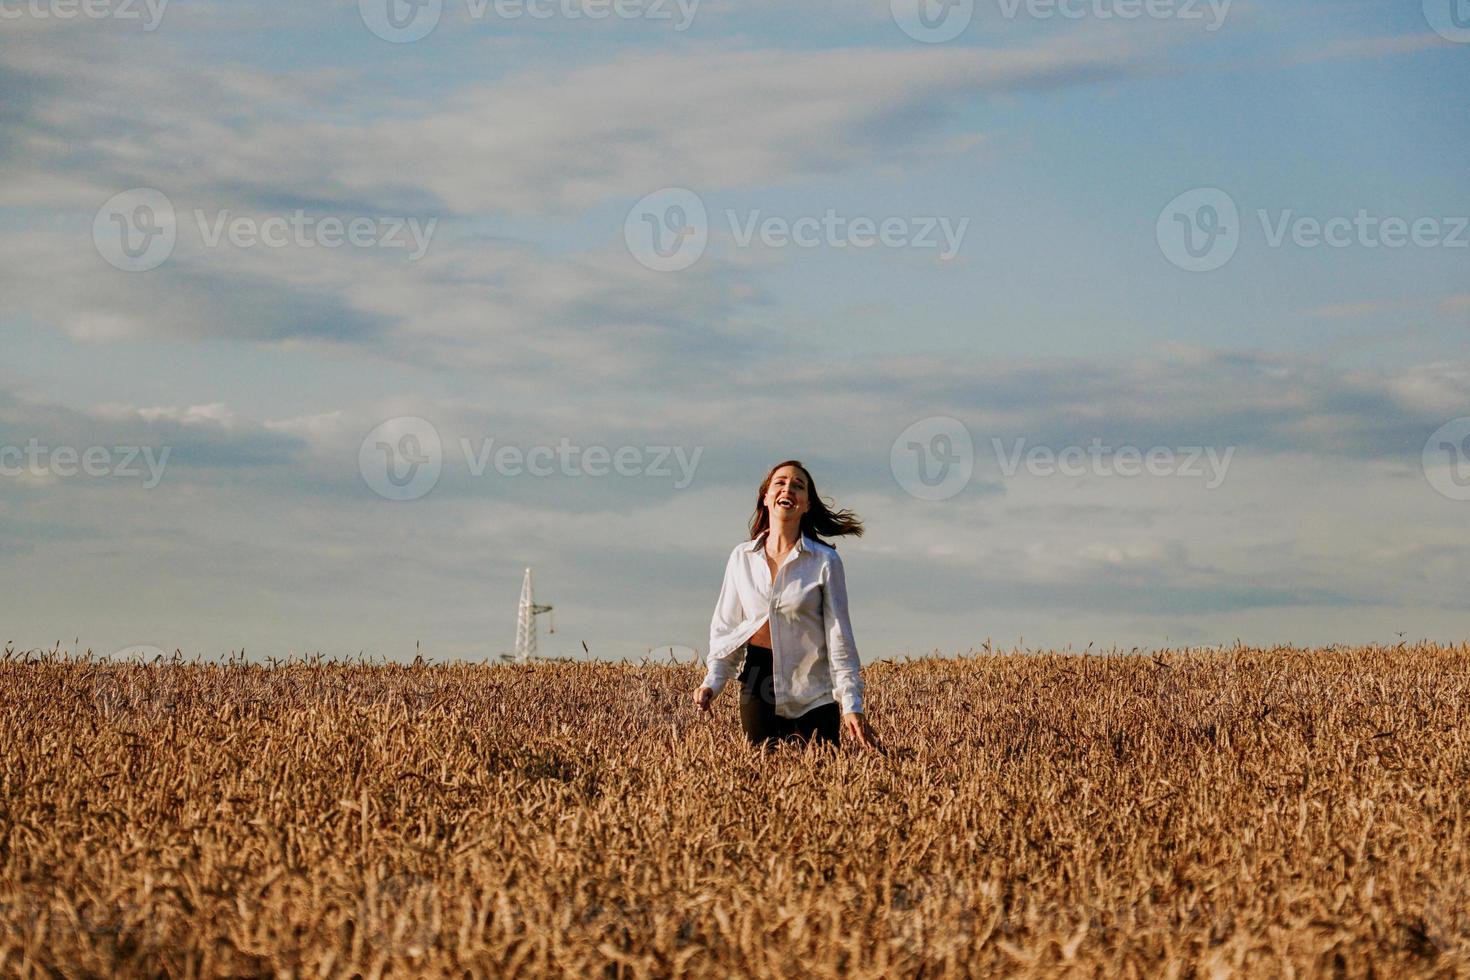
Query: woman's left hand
[{"x": 855, "y": 727}]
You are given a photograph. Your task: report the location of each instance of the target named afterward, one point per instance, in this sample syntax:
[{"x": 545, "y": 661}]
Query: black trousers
[{"x": 758, "y": 708}]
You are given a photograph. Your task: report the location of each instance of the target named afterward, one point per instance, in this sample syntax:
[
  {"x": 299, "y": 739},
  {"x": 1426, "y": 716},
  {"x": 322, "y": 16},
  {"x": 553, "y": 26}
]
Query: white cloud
[
  {"x": 271, "y": 513},
  {"x": 705, "y": 116},
  {"x": 1372, "y": 47}
]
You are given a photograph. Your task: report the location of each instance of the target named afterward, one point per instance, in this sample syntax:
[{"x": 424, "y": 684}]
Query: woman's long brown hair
[{"x": 819, "y": 518}]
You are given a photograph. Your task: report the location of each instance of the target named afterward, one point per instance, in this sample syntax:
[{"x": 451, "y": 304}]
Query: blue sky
[{"x": 1316, "y": 374}]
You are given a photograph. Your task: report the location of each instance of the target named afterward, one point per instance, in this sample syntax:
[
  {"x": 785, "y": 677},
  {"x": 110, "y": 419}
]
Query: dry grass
[{"x": 1270, "y": 812}]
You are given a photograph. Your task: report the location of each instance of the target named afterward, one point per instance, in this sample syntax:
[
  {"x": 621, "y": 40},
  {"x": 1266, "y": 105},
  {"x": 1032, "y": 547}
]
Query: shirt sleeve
[
  {"x": 724, "y": 627},
  {"x": 847, "y": 678}
]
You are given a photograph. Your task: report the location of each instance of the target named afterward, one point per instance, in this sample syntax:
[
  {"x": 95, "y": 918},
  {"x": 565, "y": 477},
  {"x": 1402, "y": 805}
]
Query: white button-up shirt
[{"x": 813, "y": 657}]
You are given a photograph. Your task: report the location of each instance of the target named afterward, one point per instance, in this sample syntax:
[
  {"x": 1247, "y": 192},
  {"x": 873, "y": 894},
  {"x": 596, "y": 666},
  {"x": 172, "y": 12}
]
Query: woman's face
[{"x": 786, "y": 495}]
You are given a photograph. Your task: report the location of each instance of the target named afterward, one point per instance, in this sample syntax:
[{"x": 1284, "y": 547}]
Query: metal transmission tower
[{"x": 526, "y": 615}]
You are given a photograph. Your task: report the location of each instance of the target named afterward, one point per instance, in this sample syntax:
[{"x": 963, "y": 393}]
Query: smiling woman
[{"x": 784, "y": 602}]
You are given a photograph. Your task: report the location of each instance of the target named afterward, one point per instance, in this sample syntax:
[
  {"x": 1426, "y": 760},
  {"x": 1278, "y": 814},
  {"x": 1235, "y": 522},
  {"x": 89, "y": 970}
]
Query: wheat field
[{"x": 1235, "y": 812}]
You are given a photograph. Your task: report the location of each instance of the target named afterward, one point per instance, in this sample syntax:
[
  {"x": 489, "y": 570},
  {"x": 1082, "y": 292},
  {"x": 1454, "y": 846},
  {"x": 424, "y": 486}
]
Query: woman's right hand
[{"x": 703, "y": 697}]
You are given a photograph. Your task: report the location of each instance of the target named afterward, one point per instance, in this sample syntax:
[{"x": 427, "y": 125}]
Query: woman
[{"x": 784, "y": 601}]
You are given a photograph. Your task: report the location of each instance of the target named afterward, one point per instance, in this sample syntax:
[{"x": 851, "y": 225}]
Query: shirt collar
[{"x": 758, "y": 542}]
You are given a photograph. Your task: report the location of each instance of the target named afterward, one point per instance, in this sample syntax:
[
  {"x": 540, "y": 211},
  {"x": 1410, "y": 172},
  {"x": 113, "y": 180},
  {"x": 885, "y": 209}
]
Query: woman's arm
[
  {"x": 723, "y": 628},
  {"x": 847, "y": 678}
]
